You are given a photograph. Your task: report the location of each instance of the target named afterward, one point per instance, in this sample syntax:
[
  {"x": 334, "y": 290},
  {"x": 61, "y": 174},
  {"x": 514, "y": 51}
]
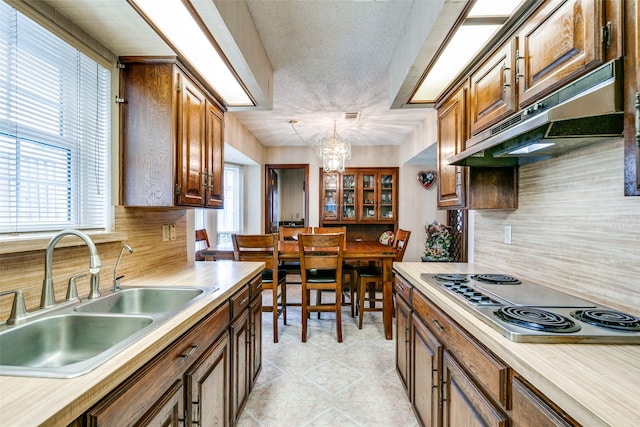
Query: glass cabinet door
[
  {"x": 369, "y": 211},
  {"x": 348, "y": 197},
  {"x": 387, "y": 195},
  {"x": 330, "y": 196}
]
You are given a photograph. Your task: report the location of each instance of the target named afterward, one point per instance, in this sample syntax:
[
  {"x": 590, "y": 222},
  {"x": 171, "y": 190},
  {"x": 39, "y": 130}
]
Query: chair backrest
[
  {"x": 257, "y": 247},
  {"x": 288, "y": 233},
  {"x": 400, "y": 243},
  {"x": 201, "y": 236},
  {"x": 321, "y": 252},
  {"x": 331, "y": 230}
]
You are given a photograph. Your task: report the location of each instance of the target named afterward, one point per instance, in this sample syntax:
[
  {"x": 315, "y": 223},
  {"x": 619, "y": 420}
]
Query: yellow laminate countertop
[
  {"x": 597, "y": 384},
  {"x": 26, "y": 401}
]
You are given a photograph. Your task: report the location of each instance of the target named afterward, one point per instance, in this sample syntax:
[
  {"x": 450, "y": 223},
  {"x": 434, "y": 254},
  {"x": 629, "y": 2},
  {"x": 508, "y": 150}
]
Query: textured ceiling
[
  {"x": 331, "y": 57},
  {"x": 328, "y": 56}
]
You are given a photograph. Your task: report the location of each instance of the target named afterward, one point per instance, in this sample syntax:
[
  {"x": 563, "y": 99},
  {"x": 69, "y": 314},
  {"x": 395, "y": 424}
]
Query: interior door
[{"x": 272, "y": 198}]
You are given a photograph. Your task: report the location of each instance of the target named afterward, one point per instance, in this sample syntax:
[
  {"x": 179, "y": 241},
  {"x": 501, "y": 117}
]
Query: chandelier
[{"x": 333, "y": 152}]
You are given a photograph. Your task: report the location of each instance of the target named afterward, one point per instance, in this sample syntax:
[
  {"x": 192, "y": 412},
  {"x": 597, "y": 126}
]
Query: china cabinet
[{"x": 359, "y": 196}]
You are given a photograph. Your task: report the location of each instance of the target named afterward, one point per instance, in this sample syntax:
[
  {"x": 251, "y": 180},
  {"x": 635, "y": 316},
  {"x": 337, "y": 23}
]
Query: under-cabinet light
[
  {"x": 528, "y": 148},
  {"x": 175, "y": 23}
]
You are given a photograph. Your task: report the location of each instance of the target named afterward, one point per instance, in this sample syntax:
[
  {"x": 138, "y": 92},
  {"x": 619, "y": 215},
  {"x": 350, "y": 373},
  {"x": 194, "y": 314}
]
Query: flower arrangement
[{"x": 438, "y": 242}]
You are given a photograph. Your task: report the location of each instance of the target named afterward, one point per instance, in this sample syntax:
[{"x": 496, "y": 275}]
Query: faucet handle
[
  {"x": 18, "y": 309},
  {"x": 72, "y": 289}
]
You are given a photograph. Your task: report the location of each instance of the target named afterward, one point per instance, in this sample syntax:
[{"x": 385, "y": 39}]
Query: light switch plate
[{"x": 507, "y": 234}]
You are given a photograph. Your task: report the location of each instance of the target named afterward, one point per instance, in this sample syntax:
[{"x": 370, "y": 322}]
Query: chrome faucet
[
  {"x": 116, "y": 278},
  {"x": 48, "y": 298}
]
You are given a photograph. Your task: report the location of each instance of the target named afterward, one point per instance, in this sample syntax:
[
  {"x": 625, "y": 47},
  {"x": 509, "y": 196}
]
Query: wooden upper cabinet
[
  {"x": 561, "y": 41},
  {"x": 191, "y": 143},
  {"x": 171, "y": 137},
  {"x": 451, "y": 137},
  {"x": 214, "y": 156},
  {"x": 492, "y": 91}
]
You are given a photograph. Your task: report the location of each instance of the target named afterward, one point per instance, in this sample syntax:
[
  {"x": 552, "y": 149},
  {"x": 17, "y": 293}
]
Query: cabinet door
[
  {"x": 426, "y": 360},
  {"x": 214, "y": 152},
  {"x": 451, "y": 138},
  {"x": 168, "y": 411},
  {"x": 531, "y": 410},
  {"x": 348, "y": 197},
  {"x": 403, "y": 342},
  {"x": 207, "y": 385},
  {"x": 492, "y": 89},
  {"x": 560, "y": 42},
  {"x": 256, "y": 340},
  {"x": 240, "y": 332},
  {"x": 191, "y": 144},
  {"x": 386, "y": 195},
  {"x": 464, "y": 404},
  {"x": 368, "y": 196},
  {"x": 329, "y": 196}
]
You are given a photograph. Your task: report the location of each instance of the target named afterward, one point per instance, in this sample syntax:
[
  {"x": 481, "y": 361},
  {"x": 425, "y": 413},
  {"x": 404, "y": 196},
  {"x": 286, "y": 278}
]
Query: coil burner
[
  {"x": 609, "y": 319},
  {"x": 456, "y": 278},
  {"x": 536, "y": 319},
  {"x": 496, "y": 279}
]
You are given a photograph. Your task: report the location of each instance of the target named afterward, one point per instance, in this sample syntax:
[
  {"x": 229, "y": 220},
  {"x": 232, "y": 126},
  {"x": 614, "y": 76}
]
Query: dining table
[{"x": 361, "y": 251}]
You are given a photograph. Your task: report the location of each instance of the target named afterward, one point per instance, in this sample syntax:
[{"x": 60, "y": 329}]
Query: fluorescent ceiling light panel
[
  {"x": 460, "y": 49},
  {"x": 493, "y": 8},
  {"x": 175, "y": 23}
]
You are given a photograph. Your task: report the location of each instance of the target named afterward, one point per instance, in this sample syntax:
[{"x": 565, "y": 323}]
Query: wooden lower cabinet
[
  {"x": 426, "y": 366},
  {"x": 201, "y": 379},
  {"x": 463, "y": 403},
  {"x": 454, "y": 380}
]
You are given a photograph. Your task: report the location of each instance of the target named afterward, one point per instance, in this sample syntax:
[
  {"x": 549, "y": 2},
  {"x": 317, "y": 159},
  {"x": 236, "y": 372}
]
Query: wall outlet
[
  {"x": 172, "y": 231},
  {"x": 165, "y": 232},
  {"x": 507, "y": 234}
]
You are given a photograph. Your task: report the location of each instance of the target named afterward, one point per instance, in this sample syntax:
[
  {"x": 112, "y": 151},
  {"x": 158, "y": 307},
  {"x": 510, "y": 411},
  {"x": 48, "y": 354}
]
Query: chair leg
[
  {"x": 361, "y": 291},
  {"x": 274, "y": 310},
  {"x": 339, "y": 314},
  {"x": 284, "y": 302},
  {"x": 305, "y": 313}
]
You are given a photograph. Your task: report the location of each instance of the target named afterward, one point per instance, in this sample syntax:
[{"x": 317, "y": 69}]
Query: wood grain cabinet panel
[
  {"x": 492, "y": 91},
  {"x": 171, "y": 137},
  {"x": 426, "y": 371},
  {"x": 632, "y": 99},
  {"x": 452, "y": 180},
  {"x": 529, "y": 409},
  {"x": 464, "y": 404},
  {"x": 560, "y": 42}
]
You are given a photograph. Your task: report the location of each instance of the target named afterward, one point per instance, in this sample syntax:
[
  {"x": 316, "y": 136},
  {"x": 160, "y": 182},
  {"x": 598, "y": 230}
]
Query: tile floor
[{"x": 326, "y": 383}]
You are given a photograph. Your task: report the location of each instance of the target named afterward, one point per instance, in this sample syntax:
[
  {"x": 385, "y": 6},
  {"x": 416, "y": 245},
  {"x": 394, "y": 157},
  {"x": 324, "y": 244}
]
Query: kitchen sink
[
  {"x": 67, "y": 345},
  {"x": 142, "y": 301}
]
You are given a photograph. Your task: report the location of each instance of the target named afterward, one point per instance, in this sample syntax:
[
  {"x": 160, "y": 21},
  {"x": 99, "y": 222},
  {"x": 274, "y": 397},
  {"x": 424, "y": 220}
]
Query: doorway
[{"x": 286, "y": 196}]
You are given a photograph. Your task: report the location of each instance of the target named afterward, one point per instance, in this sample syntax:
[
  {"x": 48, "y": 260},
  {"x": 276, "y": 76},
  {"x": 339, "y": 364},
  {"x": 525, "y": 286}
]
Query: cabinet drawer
[
  {"x": 530, "y": 407},
  {"x": 490, "y": 372},
  {"x": 255, "y": 287},
  {"x": 239, "y": 301},
  {"x": 140, "y": 392},
  {"x": 402, "y": 288}
]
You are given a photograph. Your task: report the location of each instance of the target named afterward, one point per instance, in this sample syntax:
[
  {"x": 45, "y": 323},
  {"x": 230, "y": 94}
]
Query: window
[
  {"x": 230, "y": 219},
  {"x": 54, "y": 131}
]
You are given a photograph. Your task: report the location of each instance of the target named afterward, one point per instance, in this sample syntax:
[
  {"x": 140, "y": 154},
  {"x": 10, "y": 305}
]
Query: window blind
[
  {"x": 54, "y": 131},
  {"x": 230, "y": 219}
]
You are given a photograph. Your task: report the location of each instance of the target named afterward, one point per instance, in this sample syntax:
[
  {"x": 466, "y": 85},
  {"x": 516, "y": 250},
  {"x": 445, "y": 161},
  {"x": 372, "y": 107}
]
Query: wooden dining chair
[
  {"x": 369, "y": 276},
  {"x": 201, "y": 236},
  {"x": 321, "y": 269},
  {"x": 292, "y": 267},
  {"x": 348, "y": 287},
  {"x": 264, "y": 248}
]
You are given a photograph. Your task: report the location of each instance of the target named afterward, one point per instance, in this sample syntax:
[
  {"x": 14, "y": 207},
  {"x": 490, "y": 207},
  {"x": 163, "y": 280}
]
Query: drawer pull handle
[
  {"x": 190, "y": 352},
  {"x": 438, "y": 325},
  {"x": 244, "y": 300},
  {"x": 400, "y": 287}
]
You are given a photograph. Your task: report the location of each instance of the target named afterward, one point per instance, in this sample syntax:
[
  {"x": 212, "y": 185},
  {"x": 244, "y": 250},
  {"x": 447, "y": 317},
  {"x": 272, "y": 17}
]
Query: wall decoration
[{"x": 427, "y": 178}]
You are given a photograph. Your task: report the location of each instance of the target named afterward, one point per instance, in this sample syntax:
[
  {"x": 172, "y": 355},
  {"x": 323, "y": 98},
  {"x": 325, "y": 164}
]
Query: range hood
[{"x": 586, "y": 111}]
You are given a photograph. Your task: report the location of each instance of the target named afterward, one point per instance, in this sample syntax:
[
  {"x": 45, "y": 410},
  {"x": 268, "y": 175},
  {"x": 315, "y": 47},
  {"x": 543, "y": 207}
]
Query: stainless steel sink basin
[
  {"x": 142, "y": 301},
  {"x": 67, "y": 345}
]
